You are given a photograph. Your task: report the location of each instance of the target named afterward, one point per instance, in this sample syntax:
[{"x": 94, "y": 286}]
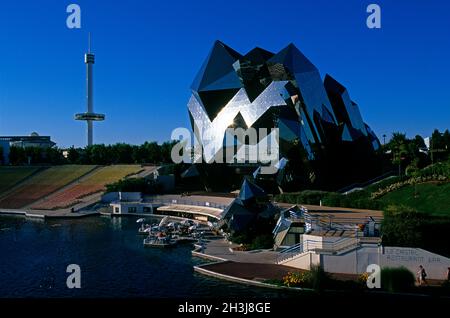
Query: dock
[{"x": 48, "y": 214}]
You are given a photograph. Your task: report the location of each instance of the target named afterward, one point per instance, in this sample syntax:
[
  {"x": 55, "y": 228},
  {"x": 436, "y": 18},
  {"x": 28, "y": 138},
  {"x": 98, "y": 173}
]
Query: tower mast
[{"x": 89, "y": 116}]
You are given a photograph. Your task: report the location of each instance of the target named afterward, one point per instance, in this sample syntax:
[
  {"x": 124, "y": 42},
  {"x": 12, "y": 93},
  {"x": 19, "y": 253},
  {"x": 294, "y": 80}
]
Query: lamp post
[
  {"x": 432, "y": 151},
  {"x": 397, "y": 156}
]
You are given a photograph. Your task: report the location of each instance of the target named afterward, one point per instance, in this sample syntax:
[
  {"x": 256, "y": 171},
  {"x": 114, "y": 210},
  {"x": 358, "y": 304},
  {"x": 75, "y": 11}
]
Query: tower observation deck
[{"x": 89, "y": 116}]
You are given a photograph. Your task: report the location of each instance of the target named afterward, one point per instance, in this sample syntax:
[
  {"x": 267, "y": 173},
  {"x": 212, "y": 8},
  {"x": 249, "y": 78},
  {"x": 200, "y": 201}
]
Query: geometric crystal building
[
  {"x": 89, "y": 116},
  {"x": 322, "y": 135}
]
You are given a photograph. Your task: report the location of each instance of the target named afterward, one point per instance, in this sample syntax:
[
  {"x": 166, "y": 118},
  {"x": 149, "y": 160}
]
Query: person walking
[{"x": 422, "y": 276}]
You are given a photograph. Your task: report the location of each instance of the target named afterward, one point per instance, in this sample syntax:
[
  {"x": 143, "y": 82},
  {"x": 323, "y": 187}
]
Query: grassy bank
[{"x": 431, "y": 198}]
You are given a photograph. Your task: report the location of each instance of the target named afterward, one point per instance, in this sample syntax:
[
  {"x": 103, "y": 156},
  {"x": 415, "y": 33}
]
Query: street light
[
  {"x": 397, "y": 153},
  {"x": 432, "y": 151}
]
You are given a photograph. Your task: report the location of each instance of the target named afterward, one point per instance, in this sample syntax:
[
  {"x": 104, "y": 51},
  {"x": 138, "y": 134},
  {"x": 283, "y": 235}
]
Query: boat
[
  {"x": 164, "y": 221},
  {"x": 159, "y": 240},
  {"x": 145, "y": 230}
]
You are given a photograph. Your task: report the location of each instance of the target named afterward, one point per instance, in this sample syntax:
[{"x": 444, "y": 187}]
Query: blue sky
[{"x": 148, "y": 53}]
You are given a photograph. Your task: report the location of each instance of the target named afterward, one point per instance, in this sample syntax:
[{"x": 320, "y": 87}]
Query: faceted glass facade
[{"x": 321, "y": 128}]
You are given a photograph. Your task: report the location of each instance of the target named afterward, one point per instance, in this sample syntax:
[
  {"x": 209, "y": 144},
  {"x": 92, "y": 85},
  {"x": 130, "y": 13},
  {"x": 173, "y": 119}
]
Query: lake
[{"x": 113, "y": 262}]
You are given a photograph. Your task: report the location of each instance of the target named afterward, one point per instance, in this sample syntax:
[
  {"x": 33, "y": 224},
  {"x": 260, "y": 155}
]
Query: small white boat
[
  {"x": 145, "y": 230},
  {"x": 164, "y": 220},
  {"x": 159, "y": 241}
]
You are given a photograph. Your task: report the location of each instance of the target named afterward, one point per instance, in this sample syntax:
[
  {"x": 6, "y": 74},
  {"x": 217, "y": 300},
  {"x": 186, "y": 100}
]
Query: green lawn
[
  {"x": 432, "y": 198},
  {"x": 9, "y": 176}
]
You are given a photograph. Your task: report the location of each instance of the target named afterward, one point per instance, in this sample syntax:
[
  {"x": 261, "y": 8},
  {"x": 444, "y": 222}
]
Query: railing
[
  {"x": 367, "y": 183},
  {"x": 318, "y": 247},
  {"x": 187, "y": 202},
  {"x": 331, "y": 222},
  {"x": 290, "y": 252},
  {"x": 331, "y": 247}
]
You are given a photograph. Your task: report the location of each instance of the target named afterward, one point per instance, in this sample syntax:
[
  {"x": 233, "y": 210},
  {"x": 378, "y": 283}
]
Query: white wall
[
  {"x": 304, "y": 261},
  {"x": 358, "y": 260},
  {"x": 435, "y": 265},
  {"x": 353, "y": 262},
  {"x": 123, "y": 207},
  {"x": 130, "y": 196}
]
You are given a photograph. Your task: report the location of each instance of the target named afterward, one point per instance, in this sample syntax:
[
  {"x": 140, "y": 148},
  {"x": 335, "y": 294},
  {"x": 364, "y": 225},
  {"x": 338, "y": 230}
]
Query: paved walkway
[
  {"x": 200, "y": 199},
  {"x": 222, "y": 249},
  {"x": 192, "y": 209},
  {"x": 251, "y": 271},
  {"x": 46, "y": 214},
  {"x": 336, "y": 212}
]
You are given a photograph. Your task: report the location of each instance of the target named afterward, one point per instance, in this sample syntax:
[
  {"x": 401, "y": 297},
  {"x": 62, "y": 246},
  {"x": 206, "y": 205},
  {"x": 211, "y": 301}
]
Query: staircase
[{"x": 341, "y": 246}]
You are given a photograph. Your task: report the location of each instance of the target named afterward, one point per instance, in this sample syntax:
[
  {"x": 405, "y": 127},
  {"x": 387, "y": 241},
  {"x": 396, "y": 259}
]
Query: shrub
[
  {"x": 316, "y": 278},
  {"x": 303, "y": 197},
  {"x": 383, "y": 183},
  {"x": 438, "y": 169},
  {"x": 143, "y": 185},
  {"x": 404, "y": 226},
  {"x": 362, "y": 279},
  {"x": 333, "y": 199},
  {"x": 240, "y": 238},
  {"x": 262, "y": 241},
  {"x": 296, "y": 279},
  {"x": 401, "y": 226},
  {"x": 397, "y": 279}
]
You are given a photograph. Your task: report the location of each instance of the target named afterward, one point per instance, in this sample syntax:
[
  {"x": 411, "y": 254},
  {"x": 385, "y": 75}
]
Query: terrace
[
  {"x": 11, "y": 176},
  {"x": 91, "y": 184},
  {"x": 43, "y": 184}
]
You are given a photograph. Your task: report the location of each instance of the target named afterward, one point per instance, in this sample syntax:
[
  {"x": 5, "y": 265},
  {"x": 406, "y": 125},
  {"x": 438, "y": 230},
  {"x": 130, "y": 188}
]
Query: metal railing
[
  {"x": 290, "y": 252},
  {"x": 316, "y": 246},
  {"x": 331, "y": 247},
  {"x": 330, "y": 222},
  {"x": 367, "y": 183}
]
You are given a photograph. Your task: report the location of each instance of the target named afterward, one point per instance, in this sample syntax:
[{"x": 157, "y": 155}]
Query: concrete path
[
  {"x": 200, "y": 199},
  {"x": 47, "y": 214},
  {"x": 251, "y": 271},
  {"x": 222, "y": 249}
]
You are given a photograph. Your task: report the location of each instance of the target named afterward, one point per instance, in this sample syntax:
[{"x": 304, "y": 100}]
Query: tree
[
  {"x": 74, "y": 155},
  {"x": 99, "y": 154},
  {"x": 439, "y": 146},
  {"x": 123, "y": 153},
  {"x": 398, "y": 146},
  {"x": 151, "y": 152},
  {"x": 17, "y": 156},
  {"x": 143, "y": 185},
  {"x": 166, "y": 151}
]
